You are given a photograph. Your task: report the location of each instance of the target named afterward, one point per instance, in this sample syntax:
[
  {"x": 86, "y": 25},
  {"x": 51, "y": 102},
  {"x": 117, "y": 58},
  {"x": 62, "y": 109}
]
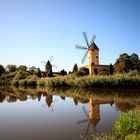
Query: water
[{"x": 49, "y": 115}]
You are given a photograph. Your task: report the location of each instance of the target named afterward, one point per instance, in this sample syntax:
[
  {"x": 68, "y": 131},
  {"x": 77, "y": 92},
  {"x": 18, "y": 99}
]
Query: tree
[
  {"x": 75, "y": 68},
  {"x": 11, "y": 68},
  {"x": 138, "y": 65},
  {"x": 22, "y": 68},
  {"x": 2, "y": 69},
  {"x": 21, "y": 75},
  {"x": 123, "y": 63},
  {"x": 134, "y": 59},
  {"x": 111, "y": 69},
  {"x": 63, "y": 72},
  {"x": 83, "y": 71},
  {"x": 39, "y": 72},
  {"x": 33, "y": 70}
]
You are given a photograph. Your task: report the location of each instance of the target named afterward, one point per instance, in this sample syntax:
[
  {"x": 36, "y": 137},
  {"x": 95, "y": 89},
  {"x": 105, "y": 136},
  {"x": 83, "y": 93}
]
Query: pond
[{"x": 61, "y": 114}]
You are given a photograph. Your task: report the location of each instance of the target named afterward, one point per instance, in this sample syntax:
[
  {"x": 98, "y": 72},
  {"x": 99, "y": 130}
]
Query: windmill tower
[
  {"x": 48, "y": 67},
  {"x": 92, "y": 51}
]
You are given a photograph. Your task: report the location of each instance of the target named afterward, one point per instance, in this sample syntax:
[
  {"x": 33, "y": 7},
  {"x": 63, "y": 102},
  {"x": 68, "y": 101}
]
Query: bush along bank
[
  {"x": 115, "y": 81},
  {"x": 129, "y": 80}
]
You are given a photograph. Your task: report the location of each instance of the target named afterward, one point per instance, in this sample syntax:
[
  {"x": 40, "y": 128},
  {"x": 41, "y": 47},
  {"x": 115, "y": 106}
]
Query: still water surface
[{"x": 39, "y": 115}]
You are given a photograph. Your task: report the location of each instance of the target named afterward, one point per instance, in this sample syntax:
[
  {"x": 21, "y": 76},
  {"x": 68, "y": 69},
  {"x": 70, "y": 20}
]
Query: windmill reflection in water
[
  {"x": 93, "y": 116},
  {"x": 49, "y": 102}
]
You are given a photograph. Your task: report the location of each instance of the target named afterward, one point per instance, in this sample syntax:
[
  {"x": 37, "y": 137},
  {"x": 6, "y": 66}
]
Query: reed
[{"x": 115, "y": 81}]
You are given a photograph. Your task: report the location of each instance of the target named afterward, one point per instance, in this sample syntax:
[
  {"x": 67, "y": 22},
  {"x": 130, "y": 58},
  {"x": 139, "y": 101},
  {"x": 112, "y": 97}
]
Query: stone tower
[
  {"x": 93, "y": 58},
  {"x": 48, "y": 69}
]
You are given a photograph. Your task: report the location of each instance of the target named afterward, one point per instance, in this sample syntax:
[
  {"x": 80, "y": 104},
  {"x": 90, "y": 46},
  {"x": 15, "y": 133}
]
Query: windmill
[
  {"x": 49, "y": 102},
  {"x": 92, "y": 50},
  {"x": 48, "y": 67},
  {"x": 93, "y": 117}
]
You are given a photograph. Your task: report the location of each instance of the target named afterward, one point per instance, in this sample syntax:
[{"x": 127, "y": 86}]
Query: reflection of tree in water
[
  {"x": 39, "y": 95},
  {"x": 11, "y": 99},
  {"x": 75, "y": 100},
  {"x": 49, "y": 99},
  {"x": 124, "y": 106},
  {"x": 2, "y": 98}
]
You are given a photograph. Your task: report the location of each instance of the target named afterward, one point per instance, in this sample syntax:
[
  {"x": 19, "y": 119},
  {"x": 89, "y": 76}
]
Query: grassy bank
[
  {"x": 130, "y": 80},
  {"x": 127, "y": 127}
]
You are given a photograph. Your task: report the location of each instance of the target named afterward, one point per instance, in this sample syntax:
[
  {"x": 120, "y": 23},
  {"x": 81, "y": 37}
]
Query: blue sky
[{"x": 35, "y": 30}]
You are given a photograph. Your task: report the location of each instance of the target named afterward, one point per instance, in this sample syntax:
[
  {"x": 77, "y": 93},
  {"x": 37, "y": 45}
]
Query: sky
[{"x": 32, "y": 31}]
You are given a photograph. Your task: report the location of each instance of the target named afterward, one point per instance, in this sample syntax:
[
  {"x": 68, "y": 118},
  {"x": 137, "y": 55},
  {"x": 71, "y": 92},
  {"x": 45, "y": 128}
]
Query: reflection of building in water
[
  {"x": 94, "y": 113},
  {"x": 81, "y": 100},
  {"x": 62, "y": 97},
  {"x": 93, "y": 116},
  {"x": 49, "y": 99}
]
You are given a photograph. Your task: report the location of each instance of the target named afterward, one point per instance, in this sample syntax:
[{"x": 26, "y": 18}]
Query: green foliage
[
  {"x": 111, "y": 69},
  {"x": 28, "y": 82},
  {"x": 2, "y": 69},
  {"x": 23, "y": 83},
  {"x": 75, "y": 68},
  {"x": 132, "y": 137},
  {"x": 11, "y": 68},
  {"x": 31, "y": 83},
  {"x": 41, "y": 83},
  {"x": 128, "y": 123},
  {"x": 15, "y": 83},
  {"x": 21, "y": 75},
  {"x": 39, "y": 73},
  {"x": 115, "y": 81},
  {"x": 22, "y": 68},
  {"x": 33, "y": 70},
  {"x": 125, "y": 63},
  {"x": 83, "y": 71},
  {"x": 63, "y": 72}
]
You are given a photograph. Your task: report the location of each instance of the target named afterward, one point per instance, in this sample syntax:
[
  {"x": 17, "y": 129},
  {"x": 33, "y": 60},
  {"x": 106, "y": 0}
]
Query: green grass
[
  {"x": 128, "y": 123},
  {"x": 115, "y": 81}
]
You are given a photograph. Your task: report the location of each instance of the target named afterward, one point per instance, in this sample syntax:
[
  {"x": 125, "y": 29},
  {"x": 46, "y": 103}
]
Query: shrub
[
  {"x": 41, "y": 83},
  {"x": 23, "y": 83},
  {"x": 21, "y": 75},
  {"x": 31, "y": 83},
  {"x": 128, "y": 123},
  {"x": 83, "y": 71},
  {"x": 15, "y": 83}
]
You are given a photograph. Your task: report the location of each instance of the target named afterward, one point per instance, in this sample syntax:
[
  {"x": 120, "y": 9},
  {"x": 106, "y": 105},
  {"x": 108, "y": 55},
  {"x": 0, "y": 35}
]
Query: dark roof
[
  {"x": 48, "y": 63},
  {"x": 95, "y": 46}
]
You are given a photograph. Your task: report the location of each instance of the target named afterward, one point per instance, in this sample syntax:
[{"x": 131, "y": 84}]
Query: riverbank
[
  {"x": 127, "y": 127},
  {"x": 130, "y": 80}
]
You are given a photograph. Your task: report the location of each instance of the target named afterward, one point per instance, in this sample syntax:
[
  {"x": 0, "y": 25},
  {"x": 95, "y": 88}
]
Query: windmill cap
[
  {"x": 94, "y": 46},
  {"x": 48, "y": 63}
]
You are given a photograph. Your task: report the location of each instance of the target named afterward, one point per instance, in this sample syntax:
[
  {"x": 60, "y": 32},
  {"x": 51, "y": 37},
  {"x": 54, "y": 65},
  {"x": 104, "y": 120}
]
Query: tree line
[{"x": 124, "y": 64}]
